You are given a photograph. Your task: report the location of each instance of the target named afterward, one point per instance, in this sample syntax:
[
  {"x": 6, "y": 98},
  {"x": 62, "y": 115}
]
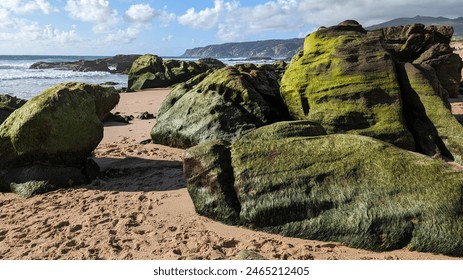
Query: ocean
[{"x": 17, "y": 79}]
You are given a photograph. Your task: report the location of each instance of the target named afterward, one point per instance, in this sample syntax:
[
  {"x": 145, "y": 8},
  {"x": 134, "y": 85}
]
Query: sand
[{"x": 140, "y": 209}]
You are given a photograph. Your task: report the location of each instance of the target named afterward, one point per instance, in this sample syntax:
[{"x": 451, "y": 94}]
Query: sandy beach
[{"x": 140, "y": 209}]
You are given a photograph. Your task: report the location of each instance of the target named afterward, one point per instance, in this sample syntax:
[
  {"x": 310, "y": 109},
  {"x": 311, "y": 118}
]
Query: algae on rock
[
  {"x": 347, "y": 188},
  {"x": 345, "y": 81},
  {"x": 151, "y": 71},
  {"x": 224, "y": 104},
  {"x": 58, "y": 128}
]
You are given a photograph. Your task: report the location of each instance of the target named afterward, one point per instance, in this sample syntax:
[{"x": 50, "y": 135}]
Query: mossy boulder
[
  {"x": 347, "y": 188},
  {"x": 59, "y": 127},
  {"x": 224, "y": 104},
  {"x": 151, "y": 71},
  {"x": 345, "y": 81},
  {"x": 8, "y": 104}
]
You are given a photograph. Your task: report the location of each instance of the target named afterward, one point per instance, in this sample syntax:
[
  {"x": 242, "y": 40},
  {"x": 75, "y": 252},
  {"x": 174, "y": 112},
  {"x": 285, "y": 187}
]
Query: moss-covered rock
[
  {"x": 8, "y": 104},
  {"x": 224, "y": 104},
  {"x": 59, "y": 127},
  {"x": 345, "y": 81},
  {"x": 346, "y": 188},
  {"x": 429, "y": 118},
  {"x": 151, "y": 71}
]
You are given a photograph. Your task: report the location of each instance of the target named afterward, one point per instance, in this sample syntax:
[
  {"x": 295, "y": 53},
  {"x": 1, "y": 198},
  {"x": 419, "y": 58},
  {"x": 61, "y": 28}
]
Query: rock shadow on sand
[{"x": 134, "y": 174}]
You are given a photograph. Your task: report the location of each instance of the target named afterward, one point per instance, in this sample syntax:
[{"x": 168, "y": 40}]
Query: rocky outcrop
[
  {"x": 51, "y": 136},
  {"x": 427, "y": 46},
  {"x": 456, "y": 23},
  {"x": 346, "y": 82},
  {"x": 352, "y": 81},
  {"x": 268, "y": 48},
  {"x": 8, "y": 104},
  {"x": 151, "y": 71},
  {"x": 346, "y": 188},
  {"x": 115, "y": 64},
  {"x": 222, "y": 105}
]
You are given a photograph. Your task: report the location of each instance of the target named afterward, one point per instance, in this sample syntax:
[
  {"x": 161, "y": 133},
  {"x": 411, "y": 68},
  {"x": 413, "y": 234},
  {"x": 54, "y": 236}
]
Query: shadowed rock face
[
  {"x": 224, "y": 104},
  {"x": 59, "y": 127}
]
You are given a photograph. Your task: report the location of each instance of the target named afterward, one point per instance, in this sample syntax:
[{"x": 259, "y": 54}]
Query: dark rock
[
  {"x": 145, "y": 116},
  {"x": 120, "y": 64},
  {"x": 8, "y": 104},
  {"x": 222, "y": 105},
  {"x": 212, "y": 63}
]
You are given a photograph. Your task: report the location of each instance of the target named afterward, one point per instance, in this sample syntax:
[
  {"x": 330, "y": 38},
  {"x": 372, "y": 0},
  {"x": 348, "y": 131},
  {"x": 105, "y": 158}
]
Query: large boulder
[
  {"x": 58, "y": 128},
  {"x": 346, "y": 81},
  {"x": 224, "y": 104},
  {"x": 8, "y": 104},
  {"x": 347, "y": 188},
  {"x": 151, "y": 71}
]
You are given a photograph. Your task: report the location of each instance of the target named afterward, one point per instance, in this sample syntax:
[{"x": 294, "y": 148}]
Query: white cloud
[
  {"x": 140, "y": 14},
  {"x": 209, "y": 17},
  {"x": 24, "y": 6},
  {"x": 233, "y": 21},
  {"x": 123, "y": 36},
  {"x": 168, "y": 38},
  {"x": 98, "y": 12}
]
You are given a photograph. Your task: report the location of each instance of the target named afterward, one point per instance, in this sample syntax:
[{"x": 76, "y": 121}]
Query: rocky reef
[
  {"x": 364, "y": 160},
  {"x": 115, "y": 64},
  {"x": 47, "y": 141}
]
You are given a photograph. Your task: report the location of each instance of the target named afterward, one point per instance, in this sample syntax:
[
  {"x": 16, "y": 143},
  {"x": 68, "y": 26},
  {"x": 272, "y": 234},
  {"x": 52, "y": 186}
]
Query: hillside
[
  {"x": 288, "y": 48},
  {"x": 267, "y": 48},
  {"x": 457, "y": 23}
]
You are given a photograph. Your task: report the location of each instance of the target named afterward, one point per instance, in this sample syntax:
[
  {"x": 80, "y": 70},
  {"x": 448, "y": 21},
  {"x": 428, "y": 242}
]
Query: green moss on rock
[
  {"x": 347, "y": 188},
  {"x": 151, "y": 71},
  {"x": 345, "y": 81},
  {"x": 62, "y": 125},
  {"x": 225, "y": 104}
]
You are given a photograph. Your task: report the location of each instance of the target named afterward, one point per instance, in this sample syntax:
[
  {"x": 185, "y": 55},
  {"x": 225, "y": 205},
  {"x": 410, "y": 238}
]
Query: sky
[{"x": 168, "y": 28}]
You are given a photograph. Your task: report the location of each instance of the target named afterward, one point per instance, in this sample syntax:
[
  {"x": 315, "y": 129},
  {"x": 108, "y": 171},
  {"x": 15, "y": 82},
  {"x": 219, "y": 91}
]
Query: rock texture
[
  {"x": 8, "y": 104},
  {"x": 224, "y": 104},
  {"x": 347, "y": 188},
  {"x": 53, "y": 134},
  {"x": 268, "y": 48},
  {"x": 151, "y": 71},
  {"x": 352, "y": 81}
]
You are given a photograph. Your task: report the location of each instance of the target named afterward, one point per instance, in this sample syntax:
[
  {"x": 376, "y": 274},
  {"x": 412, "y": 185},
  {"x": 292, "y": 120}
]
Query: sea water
[{"x": 17, "y": 79}]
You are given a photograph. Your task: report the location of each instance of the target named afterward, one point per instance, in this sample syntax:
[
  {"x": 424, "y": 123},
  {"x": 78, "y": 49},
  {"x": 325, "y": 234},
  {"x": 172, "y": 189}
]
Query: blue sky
[{"x": 109, "y": 27}]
